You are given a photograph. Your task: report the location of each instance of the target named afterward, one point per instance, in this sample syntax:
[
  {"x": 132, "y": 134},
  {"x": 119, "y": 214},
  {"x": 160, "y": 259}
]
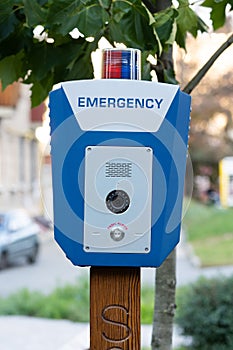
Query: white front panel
[
  {"x": 119, "y": 105},
  {"x": 118, "y": 199}
]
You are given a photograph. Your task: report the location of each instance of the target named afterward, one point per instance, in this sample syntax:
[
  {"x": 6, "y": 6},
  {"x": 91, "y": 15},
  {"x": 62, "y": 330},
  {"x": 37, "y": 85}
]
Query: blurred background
[
  {"x": 207, "y": 238},
  {"x": 25, "y": 164}
]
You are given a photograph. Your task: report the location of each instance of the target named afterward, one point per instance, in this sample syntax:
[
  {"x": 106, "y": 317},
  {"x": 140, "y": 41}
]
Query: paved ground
[
  {"x": 26, "y": 333},
  {"x": 188, "y": 266}
]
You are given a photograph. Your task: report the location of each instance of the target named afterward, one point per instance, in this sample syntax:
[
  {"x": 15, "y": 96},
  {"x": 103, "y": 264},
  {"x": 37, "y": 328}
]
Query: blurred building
[
  {"x": 19, "y": 148},
  {"x": 211, "y": 133}
]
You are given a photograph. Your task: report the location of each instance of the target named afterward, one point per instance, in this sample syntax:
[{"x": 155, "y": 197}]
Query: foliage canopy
[{"x": 54, "y": 55}]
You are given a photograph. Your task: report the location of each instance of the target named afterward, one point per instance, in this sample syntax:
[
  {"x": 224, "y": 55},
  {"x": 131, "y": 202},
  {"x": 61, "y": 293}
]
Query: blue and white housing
[{"x": 118, "y": 152}]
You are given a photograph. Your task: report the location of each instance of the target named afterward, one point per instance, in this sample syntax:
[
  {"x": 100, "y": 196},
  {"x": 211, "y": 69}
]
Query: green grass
[
  {"x": 210, "y": 232},
  {"x": 147, "y": 304},
  {"x": 70, "y": 302}
]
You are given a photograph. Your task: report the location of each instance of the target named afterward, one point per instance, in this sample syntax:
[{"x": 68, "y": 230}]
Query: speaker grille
[{"x": 118, "y": 169}]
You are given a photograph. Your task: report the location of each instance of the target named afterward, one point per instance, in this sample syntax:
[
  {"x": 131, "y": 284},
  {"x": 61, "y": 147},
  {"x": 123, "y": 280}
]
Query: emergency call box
[
  {"x": 118, "y": 150},
  {"x": 114, "y": 211}
]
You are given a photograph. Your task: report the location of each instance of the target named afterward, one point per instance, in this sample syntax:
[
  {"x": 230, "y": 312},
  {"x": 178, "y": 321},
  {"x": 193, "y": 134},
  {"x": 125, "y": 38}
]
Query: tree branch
[
  {"x": 151, "y": 7},
  {"x": 202, "y": 72},
  {"x": 158, "y": 6}
]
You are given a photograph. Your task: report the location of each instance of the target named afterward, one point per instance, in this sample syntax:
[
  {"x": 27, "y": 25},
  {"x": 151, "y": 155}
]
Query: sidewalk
[
  {"x": 28, "y": 333},
  {"x": 188, "y": 265}
]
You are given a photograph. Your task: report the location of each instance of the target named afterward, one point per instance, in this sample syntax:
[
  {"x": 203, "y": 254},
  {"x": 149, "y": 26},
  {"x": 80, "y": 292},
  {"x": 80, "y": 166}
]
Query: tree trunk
[
  {"x": 164, "y": 310},
  {"x": 165, "y": 284}
]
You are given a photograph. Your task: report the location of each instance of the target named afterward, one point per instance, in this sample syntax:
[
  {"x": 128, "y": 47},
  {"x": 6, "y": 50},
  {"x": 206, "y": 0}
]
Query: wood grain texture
[{"x": 115, "y": 308}]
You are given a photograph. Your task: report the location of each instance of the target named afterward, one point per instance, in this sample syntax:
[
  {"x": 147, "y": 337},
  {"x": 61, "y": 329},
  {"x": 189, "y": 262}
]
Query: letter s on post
[{"x": 116, "y": 324}]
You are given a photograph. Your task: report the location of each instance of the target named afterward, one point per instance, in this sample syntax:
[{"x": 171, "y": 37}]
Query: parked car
[{"x": 19, "y": 237}]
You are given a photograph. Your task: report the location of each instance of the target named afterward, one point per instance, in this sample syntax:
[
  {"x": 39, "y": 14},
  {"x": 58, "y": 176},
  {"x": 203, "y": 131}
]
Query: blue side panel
[
  {"x": 176, "y": 177},
  {"x": 68, "y": 145},
  {"x": 59, "y": 108}
]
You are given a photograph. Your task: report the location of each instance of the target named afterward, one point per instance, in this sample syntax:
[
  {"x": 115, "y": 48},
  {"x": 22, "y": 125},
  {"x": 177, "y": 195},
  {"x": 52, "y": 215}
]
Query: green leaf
[
  {"x": 146, "y": 66},
  {"x": 40, "y": 89},
  {"x": 218, "y": 11},
  {"x": 49, "y": 57},
  {"x": 81, "y": 67},
  {"x": 8, "y": 20},
  {"x": 169, "y": 76},
  {"x": 119, "y": 9},
  {"x": 105, "y": 3},
  {"x": 9, "y": 7},
  {"x": 56, "y": 65},
  {"x": 187, "y": 21},
  {"x": 60, "y": 13},
  {"x": 35, "y": 14},
  {"x": 164, "y": 24},
  {"x": 146, "y": 71},
  {"x": 180, "y": 38},
  {"x": 91, "y": 19},
  {"x": 55, "y": 57},
  {"x": 20, "y": 39},
  {"x": 218, "y": 16},
  {"x": 129, "y": 24},
  {"x": 11, "y": 69},
  {"x": 159, "y": 44}
]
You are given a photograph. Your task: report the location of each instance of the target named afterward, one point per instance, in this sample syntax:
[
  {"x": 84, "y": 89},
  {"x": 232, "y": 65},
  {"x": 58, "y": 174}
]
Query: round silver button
[{"x": 117, "y": 234}]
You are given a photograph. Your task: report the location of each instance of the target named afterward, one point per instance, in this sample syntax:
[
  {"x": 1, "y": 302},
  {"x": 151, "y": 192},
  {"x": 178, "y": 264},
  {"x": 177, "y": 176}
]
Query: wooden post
[{"x": 115, "y": 308}]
